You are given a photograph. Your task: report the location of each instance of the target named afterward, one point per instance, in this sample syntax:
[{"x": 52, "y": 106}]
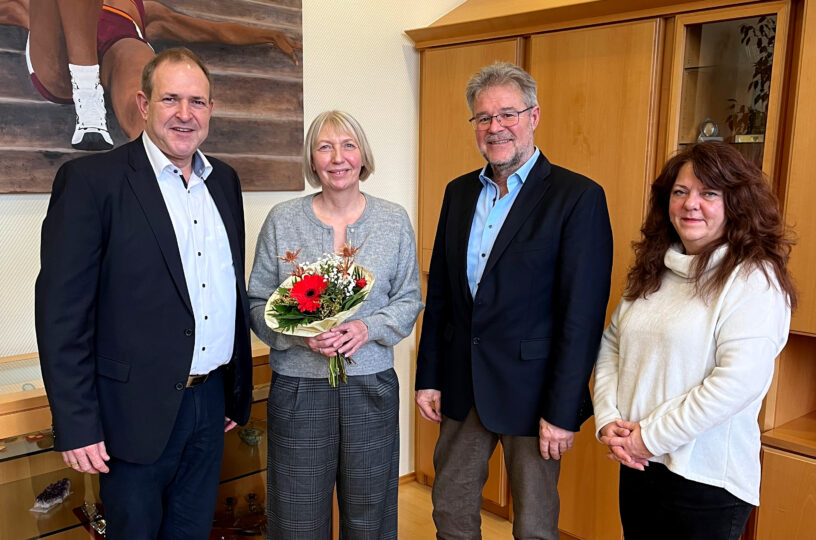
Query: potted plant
[{"x": 758, "y": 39}]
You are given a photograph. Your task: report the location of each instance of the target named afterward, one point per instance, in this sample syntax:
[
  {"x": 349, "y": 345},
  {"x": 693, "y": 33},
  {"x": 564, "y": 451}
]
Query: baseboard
[{"x": 410, "y": 477}]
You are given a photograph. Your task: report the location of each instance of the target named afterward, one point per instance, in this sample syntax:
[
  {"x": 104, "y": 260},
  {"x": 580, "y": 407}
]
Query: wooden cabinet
[
  {"x": 28, "y": 464},
  {"x": 622, "y": 86},
  {"x": 727, "y": 74},
  {"x": 799, "y": 166},
  {"x": 584, "y": 128},
  {"x": 447, "y": 149},
  {"x": 788, "y": 496},
  {"x": 597, "y": 93}
]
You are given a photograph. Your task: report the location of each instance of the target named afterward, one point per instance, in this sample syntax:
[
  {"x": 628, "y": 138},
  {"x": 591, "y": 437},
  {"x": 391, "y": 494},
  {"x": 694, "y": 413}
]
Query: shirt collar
[
  {"x": 520, "y": 176},
  {"x": 160, "y": 162}
]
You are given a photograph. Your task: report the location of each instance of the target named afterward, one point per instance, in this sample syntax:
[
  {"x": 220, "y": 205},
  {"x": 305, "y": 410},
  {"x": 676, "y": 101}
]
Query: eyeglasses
[{"x": 505, "y": 119}]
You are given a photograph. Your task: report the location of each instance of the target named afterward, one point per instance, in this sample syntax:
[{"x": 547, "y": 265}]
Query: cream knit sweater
[{"x": 694, "y": 373}]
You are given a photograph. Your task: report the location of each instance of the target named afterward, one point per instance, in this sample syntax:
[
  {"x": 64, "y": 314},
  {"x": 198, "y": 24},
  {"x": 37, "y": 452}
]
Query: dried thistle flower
[
  {"x": 290, "y": 256},
  {"x": 348, "y": 251}
]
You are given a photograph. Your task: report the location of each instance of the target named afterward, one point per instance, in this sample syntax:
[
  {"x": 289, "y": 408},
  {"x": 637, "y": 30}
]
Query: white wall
[{"x": 356, "y": 58}]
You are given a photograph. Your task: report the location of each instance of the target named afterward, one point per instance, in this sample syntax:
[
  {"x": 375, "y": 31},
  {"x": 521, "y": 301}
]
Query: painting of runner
[{"x": 87, "y": 57}]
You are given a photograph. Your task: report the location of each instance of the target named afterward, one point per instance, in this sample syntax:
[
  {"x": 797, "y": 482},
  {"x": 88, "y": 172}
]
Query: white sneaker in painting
[{"x": 91, "y": 132}]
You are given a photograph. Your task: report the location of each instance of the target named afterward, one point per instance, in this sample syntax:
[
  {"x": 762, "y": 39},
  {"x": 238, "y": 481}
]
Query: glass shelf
[
  {"x": 241, "y": 458},
  {"x": 20, "y": 374},
  {"x": 16, "y": 499},
  {"x": 726, "y": 79},
  {"x": 26, "y": 445},
  {"x": 701, "y": 68}
]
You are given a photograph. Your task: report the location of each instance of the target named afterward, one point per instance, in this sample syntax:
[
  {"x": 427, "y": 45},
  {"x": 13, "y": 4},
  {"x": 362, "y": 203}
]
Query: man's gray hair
[{"x": 501, "y": 74}]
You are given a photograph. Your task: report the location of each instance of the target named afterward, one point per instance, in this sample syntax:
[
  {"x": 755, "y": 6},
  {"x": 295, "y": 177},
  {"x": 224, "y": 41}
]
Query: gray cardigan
[{"x": 387, "y": 249}]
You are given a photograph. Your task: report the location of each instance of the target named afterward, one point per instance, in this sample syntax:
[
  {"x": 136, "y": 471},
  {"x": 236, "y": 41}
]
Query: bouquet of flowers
[{"x": 318, "y": 296}]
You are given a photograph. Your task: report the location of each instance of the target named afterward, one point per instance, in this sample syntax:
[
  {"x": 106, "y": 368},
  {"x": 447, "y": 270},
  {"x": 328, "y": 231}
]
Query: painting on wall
[{"x": 253, "y": 49}]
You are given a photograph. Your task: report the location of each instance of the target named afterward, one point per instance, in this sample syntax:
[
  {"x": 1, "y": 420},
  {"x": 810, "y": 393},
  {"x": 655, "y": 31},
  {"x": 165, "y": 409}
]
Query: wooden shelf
[{"x": 798, "y": 436}]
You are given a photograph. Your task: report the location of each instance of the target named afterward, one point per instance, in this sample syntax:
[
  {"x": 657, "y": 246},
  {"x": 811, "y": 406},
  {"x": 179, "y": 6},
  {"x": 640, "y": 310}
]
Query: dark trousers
[
  {"x": 173, "y": 498},
  {"x": 657, "y": 503},
  {"x": 320, "y": 436},
  {"x": 461, "y": 468}
]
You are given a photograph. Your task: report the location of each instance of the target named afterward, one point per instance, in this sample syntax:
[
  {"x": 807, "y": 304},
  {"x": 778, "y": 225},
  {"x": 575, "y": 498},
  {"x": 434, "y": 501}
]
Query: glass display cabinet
[
  {"x": 28, "y": 466},
  {"x": 726, "y": 76},
  {"x": 28, "y": 463}
]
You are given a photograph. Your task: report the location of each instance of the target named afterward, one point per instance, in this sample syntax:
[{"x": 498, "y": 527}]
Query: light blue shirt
[
  {"x": 491, "y": 211},
  {"x": 205, "y": 256}
]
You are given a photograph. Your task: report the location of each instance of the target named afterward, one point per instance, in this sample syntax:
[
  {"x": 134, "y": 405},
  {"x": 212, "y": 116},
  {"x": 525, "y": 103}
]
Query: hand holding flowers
[
  {"x": 345, "y": 338},
  {"x": 315, "y": 301}
]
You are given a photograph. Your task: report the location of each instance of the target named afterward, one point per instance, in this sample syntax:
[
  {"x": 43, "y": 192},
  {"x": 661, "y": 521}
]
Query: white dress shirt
[{"x": 205, "y": 256}]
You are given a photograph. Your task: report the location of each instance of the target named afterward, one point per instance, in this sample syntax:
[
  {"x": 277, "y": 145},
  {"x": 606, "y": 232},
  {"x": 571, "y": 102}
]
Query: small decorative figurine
[
  {"x": 250, "y": 435},
  {"x": 709, "y": 131}
]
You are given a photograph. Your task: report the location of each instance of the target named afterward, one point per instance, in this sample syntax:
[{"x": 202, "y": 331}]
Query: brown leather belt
[{"x": 195, "y": 380}]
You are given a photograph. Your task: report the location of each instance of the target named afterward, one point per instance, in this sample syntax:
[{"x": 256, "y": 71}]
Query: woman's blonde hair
[{"x": 342, "y": 122}]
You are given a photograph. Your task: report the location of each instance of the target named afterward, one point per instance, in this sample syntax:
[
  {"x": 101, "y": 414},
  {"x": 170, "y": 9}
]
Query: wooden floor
[{"x": 416, "y": 523}]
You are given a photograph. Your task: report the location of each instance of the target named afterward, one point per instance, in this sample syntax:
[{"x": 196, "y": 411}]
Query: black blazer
[
  {"x": 115, "y": 328},
  {"x": 524, "y": 348}
]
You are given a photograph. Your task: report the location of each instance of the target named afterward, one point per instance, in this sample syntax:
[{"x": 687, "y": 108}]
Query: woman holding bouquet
[
  {"x": 347, "y": 435},
  {"x": 689, "y": 353}
]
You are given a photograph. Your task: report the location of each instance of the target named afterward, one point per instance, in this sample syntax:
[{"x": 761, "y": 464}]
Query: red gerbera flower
[
  {"x": 361, "y": 283},
  {"x": 307, "y": 292}
]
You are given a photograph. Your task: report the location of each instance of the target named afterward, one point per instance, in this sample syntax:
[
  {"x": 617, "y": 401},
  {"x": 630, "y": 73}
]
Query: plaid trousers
[{"x": 320, "y": 436}]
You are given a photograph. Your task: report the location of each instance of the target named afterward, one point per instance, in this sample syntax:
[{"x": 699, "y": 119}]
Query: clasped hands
[
  {"x": 345, "y": 338},
  {"x": 625, "y": 443}
]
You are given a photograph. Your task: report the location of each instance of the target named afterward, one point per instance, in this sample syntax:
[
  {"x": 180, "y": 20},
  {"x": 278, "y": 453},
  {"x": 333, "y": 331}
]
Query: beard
[
  {"x": 512, "y": 163},
  {"x": 523, "y": 148}
]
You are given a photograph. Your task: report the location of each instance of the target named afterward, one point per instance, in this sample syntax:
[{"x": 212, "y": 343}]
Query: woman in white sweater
[{"x": 689, "y": 352}]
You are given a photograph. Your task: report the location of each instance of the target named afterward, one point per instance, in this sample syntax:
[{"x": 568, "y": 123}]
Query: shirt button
[
  {"x": 475, "y": 341},
  {"x": 206, "y": 317},
  {"x": 188, "y": 332},
  {"x": 199, "y": 254},
  {"x": 195, "y": 222},
  {"x": 483, "y": 254},
  {"x": 490, "y": 226},
  {"x": 203, "y": 285},
  {"x": 203, "y": 348},
  {"x": 179, "y": 386}
]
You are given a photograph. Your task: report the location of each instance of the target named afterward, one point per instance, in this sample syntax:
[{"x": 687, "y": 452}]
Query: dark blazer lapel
[
  {"x": 143, "y": 182},
  {"x": 467, "y": 199},
  {"x": 215, "y": 185},
  {"x": 531, "y": 192}
]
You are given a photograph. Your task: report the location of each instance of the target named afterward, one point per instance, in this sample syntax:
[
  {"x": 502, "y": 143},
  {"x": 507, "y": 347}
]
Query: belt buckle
[{"x": 196, "y": 380}]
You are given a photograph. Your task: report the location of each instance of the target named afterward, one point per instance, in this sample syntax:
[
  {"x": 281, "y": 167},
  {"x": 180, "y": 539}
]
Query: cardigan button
[
  {"x": 179, "y": 386},
  {"x": 475, "y": 341},
  {"x": 188, "y": 332}
]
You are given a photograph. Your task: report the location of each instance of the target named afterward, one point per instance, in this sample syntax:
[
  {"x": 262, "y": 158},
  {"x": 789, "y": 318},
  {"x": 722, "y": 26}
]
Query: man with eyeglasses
[{"x": 515, "y": 307}]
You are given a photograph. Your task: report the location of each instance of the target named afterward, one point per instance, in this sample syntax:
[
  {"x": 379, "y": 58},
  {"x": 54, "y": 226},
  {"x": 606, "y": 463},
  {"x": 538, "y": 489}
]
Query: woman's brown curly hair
[{"x": 754, "y": 230}]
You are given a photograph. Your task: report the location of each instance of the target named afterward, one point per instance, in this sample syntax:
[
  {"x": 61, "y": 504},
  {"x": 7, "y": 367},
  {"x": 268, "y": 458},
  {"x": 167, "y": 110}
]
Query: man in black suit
[
  {"x": 515, "y": 305},
  {"x": 141, "y": 312}
]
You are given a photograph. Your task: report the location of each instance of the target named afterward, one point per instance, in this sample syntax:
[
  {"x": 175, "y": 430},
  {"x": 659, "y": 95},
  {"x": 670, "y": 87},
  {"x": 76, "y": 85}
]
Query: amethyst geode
[{"x": 52, "y": 495}]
